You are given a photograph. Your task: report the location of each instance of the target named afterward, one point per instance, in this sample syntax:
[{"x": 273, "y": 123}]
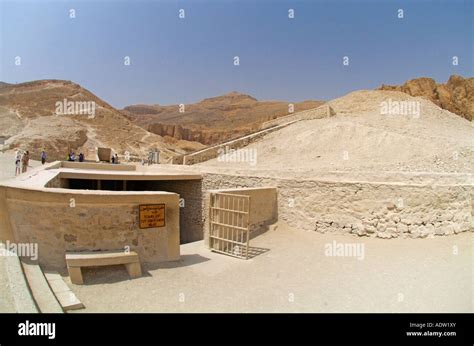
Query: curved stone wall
[{"x": 61, "y": 220}]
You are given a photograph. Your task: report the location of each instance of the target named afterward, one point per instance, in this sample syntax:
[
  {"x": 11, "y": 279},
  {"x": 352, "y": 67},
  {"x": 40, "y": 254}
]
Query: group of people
[
  {"x": 72, "y": 156},
  {"x": 22, "y": 161},
  {"x": 115, "y": 159}
]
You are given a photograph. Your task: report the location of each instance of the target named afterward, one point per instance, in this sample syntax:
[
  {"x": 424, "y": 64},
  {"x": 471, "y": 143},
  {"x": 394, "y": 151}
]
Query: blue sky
[{"x": 177, "y": 60}]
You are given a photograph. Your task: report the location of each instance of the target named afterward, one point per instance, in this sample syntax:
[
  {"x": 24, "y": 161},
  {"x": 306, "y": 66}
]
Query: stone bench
[{"x": 76, "y": 260}]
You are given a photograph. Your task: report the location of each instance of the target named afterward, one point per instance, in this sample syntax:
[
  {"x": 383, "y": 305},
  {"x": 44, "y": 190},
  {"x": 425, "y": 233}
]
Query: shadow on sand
[{"x": 117, "y": 273}]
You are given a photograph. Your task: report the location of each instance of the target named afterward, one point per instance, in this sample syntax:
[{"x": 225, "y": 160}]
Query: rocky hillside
[
  {"x": 60, "y": 115},
  {"x": 456, "y": 95},
  {"x": 211, "y": 120}
]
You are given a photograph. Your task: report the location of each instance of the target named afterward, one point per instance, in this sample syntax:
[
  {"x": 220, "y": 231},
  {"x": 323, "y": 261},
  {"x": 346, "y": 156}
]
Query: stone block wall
[
  {"x": 385, "y": 210},
  {"x": 190, "y": 217}
]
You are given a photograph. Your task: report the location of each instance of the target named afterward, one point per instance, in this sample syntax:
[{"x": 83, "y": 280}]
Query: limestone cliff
[
  {"x": 456, "y": 95},
  {"x": 211, "y": 120}
]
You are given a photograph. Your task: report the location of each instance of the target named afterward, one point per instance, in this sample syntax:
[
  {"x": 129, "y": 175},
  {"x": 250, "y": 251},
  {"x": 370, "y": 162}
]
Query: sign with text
[{"x": 152, "y": 215}]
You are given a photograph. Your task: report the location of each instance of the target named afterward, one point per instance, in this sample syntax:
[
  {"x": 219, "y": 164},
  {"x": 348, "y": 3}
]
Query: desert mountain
[
  {"x": 456, "y": 96},
  {"x": 211, "y": 120},
  {"x": 361, "y": 137},
  {"x": 60, "y": 115}
]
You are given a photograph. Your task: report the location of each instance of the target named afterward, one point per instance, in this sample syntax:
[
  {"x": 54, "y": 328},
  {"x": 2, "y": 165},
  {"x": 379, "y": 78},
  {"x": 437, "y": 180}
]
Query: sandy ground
[
  {"x": 7, "y": 164},
  {"x": 293, "y": 274}
]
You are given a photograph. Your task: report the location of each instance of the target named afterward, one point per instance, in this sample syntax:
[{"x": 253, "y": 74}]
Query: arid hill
[
  {"x": 359, "y": 138},
  {"x": 456, "y": 96},
  {"x": 211, "y": 120},
  {"x": 31, "y": 120}
]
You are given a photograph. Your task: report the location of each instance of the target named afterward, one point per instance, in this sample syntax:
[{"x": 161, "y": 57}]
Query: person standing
[
  {"x": 18, "y": 163},
  {"x": 81, "y": 157},
  {"x": 72, "y": 156},
  {"x": 43, "y": 157},
  {"x": 25, "y": 161}
]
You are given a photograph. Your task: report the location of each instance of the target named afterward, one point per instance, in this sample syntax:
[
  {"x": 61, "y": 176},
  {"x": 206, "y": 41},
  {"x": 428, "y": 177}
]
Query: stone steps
[
  {"x": 39, "y": 287},
  {"x": 61, "y": 290}
]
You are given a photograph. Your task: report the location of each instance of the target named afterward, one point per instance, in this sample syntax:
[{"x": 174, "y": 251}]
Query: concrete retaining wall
[
  {"x": 213, "y": 152},
  {"x": 97, "y": 166},
  {"x": 323, "y": 111}
]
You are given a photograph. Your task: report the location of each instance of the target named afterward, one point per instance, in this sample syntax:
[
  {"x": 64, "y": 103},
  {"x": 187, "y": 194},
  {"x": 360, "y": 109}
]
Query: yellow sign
[{"x": 152, "y": 215}]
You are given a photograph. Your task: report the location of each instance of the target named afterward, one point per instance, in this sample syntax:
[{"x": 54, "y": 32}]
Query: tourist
[
  {"x": 18, "y": 163},
  {"x": 81, "y": 157},
  {"x": 43, "y": 157},
  {"x": 116, "y": 160},
  {"x": 112, "y": 159},
  {"x": 25, "y": 161},
  {"x": 72, "y": 156}
]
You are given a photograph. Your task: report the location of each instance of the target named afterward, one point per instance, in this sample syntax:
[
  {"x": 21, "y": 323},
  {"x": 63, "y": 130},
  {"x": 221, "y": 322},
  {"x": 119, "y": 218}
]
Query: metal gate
[{"x": 229, "y": 224}]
